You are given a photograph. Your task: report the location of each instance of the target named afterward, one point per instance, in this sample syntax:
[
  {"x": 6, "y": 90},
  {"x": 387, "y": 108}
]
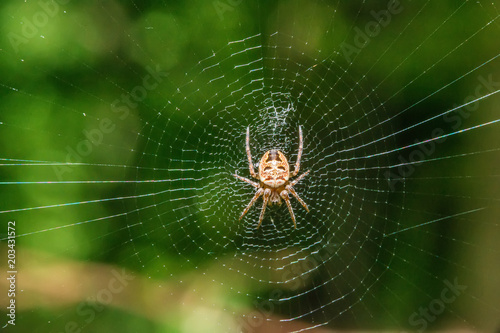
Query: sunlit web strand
[{"x": 420, "y": 101}]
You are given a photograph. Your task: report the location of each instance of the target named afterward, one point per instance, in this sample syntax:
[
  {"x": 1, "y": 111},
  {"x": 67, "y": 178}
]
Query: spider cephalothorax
[{"x": 274, "y": 172}]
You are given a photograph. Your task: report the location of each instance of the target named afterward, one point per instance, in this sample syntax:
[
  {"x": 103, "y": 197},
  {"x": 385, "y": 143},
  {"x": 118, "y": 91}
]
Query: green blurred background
[{"x": 65, "y": 72}]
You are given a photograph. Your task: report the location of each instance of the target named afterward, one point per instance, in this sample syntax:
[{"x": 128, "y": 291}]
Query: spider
[{"x": 274, "y": 184}]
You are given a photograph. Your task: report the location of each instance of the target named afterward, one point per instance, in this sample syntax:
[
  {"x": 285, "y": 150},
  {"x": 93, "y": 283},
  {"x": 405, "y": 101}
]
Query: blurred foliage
[{"x": 60, "y": 80}]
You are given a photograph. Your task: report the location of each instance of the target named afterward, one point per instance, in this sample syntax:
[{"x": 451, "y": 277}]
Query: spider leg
[
  {"x": 255, "y": 197},
  {"x": 299, "y": 155},
  {"x": 267, "y": 194},
  {"x": 249, "y": 155},
  {"x": 254, "y": 184},
  {"x": 284, "y": 195},
  {"x": 295, "y": 181},
  {"x": 291, "y": 190}
]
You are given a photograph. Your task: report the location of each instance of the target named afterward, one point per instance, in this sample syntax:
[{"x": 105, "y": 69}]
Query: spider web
[{"x": 397, "y": 103}]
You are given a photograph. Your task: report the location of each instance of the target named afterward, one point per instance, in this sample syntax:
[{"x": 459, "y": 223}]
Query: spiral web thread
[{"x": 338, "y": 190}]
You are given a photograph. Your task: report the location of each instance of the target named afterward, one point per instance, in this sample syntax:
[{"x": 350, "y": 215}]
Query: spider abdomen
[{"x": 274, "y": 170}]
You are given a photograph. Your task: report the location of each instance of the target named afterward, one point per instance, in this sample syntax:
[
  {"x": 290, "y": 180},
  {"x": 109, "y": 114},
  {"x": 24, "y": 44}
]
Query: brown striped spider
[{"x": 273, "y": 176}]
